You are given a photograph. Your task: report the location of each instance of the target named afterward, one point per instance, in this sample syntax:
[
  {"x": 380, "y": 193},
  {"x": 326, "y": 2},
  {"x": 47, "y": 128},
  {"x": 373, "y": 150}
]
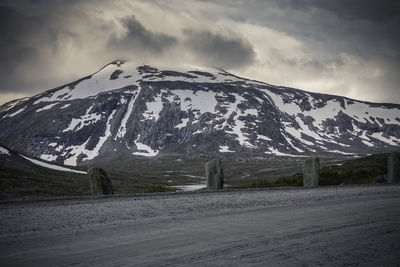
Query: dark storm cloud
[
  {"x": 383, "y": 10},
  {"x": 218, "y": 50},
  {"x": 330, "y": 27},
  {"x": 138, "y": 38},
  {"x": 17, "y": 32},
  {"x": 360, "y": 27},
  {"x": 354, "y": 43},
  {"x": 345, "y": 47}
]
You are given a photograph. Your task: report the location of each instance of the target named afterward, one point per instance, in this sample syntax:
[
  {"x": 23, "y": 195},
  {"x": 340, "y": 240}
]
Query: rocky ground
[{"x": 342, "y": 226}]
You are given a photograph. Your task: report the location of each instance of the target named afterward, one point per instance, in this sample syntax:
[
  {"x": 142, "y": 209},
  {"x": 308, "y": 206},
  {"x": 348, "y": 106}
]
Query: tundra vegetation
[{"x": 168, "y": 173}]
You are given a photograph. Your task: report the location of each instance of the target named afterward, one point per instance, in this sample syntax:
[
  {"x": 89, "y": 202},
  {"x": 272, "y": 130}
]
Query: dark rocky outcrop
[
  {"x": 214, "y": 175},
  {"x": 394, "y": 168},
  {"x": 311, "y": 172},
  {"x": 381, "y": 179},
  {"x": 100, "y": 184},
  {"x": 115, "y": 74}
]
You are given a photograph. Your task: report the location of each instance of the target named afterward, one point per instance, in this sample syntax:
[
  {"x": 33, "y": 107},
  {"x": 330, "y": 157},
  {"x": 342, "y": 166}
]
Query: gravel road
[{"x": 329, "y": 226}]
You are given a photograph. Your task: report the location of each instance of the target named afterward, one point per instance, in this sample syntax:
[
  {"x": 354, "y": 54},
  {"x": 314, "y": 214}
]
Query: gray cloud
[
  {"x": 18, "y": 32},
  {"x": 138, "y": 38},
  {"x": 344, "y": 47},
  {"x": 384, "y": 10},
  {"x": 331, "y": 32},
  {"x": 330, "y": 27},
  {"x": 218, "y": 50}
]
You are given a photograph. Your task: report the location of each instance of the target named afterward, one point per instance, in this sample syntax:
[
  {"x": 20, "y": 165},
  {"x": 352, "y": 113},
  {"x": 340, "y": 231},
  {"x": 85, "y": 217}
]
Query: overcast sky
[{"x": 342, "y": 47}]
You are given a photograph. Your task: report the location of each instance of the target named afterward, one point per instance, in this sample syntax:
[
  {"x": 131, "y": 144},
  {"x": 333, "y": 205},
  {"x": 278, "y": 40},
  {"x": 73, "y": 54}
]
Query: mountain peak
[{"x": 119, "y": 74}]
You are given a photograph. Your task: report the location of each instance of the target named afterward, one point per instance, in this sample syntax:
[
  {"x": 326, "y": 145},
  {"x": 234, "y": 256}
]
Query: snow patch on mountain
[
  {"x": 79, "y": 123},
  {"x": 364, "y": 112},
  {"x": 225, "y": 149},
  {"x": 389, "y": 140},
  {"x": 51, "y": 166},
  {"x": 65, "y": 106},
  {"x": 199, "y": 101},
  {"x": 47, "y": 107},
  {"x": 236, "y": 127},
  {"x": 144, "y": 150},
  {"x": 4, "y": 151},
  {"x": 263, "y": 137},
  {"x": 182, "y": 124},
  {"x": 341, "y": 152},
  {"x": 97, "y": 83},
  {"x": 242, "y": 137},
  {"x": 153, "y": 109},
  {"x": 15, "y": 113},
  {"x": 73, "y": 152},
  {"x": 48, "y": 157},
  {"x": 230, "y": 108},
  {"x": 122, "y": 128},
  {"x": 273, "y": 151}
]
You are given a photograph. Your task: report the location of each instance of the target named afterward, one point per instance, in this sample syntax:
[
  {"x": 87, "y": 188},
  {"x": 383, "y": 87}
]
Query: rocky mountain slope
[
  {"x": 126, "y": 110},
  {"x": 12, "y": 159},
  {"x": 25, "y": 177}
]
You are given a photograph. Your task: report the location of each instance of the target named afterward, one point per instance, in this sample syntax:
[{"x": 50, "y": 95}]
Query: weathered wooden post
[
  {"x": 214, "y": 175},
  {"x": 311, "y": 172},
  {"x": 394, "y": 168},
  {"x": 100, "y": 184}
]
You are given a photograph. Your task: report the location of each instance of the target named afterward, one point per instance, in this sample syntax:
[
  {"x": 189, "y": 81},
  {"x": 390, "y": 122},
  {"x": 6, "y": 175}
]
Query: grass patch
[
  {"x": 158, "y": 189},
  {"x": 357, "y": 171},
  {"x": 295, "y": 180},
  {"x": 142, "y": 175}
]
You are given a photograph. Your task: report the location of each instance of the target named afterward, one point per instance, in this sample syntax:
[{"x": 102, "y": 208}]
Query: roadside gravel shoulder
[{"x": 82, "y": 214}]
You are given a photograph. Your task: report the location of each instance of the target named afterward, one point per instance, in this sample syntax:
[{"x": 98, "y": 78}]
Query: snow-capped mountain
[{"x": 127, "y": 110}]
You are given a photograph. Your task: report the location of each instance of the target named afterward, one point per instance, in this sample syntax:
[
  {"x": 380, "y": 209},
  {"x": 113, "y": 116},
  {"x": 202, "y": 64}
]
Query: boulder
[
  {"x": 311, "y": 172},
  {"x": 100, "y": 184},
  {"x": 394, "y": 168},
  {"x": 381, "y": 179},
  {"x": 214, "y": 175}
]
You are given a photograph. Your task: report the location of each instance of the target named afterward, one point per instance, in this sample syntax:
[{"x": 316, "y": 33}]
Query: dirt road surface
[{"x": 328, "y": 226}]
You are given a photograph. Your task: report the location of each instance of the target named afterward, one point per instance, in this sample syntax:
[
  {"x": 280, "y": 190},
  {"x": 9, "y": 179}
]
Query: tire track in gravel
[{"x": 239, "y": 247}]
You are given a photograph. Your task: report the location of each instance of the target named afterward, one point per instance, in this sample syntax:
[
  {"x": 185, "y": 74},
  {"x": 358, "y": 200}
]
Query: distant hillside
[{"x": 22, "y": 176}]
